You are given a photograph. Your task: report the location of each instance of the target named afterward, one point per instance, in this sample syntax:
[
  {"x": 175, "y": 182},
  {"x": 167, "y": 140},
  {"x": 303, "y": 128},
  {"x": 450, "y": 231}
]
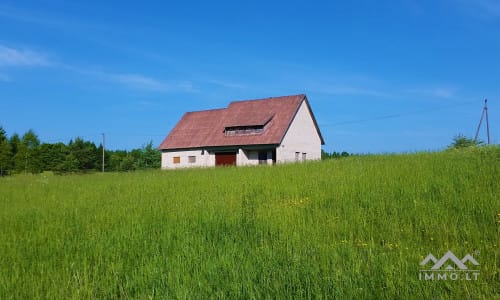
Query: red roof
[{"x": 206, "y": 128}]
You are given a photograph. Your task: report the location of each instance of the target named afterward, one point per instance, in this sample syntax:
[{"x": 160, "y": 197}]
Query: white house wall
[
  {"x": 207, "y": 159},
  {"x": 201, "y": 160},
  {"x": 244, "y": 158},
  {"x": 251, "y": 157},
  {"x": 301, "y": 137}
]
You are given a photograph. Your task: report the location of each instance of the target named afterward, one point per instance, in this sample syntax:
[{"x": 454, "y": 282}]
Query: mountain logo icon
[{"x": 449, "y": 261}]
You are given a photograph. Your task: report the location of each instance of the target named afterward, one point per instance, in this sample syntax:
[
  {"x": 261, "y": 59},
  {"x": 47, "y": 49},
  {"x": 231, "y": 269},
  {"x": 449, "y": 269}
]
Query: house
[{"x": 263, "y": 131}]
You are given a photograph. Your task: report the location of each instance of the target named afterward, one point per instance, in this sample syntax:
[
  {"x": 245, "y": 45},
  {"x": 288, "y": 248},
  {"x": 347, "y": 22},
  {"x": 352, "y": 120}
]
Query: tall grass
[{"x": 349, "y": 229}]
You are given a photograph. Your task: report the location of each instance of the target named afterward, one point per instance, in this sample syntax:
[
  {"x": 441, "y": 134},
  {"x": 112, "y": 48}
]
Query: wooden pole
[{"x": 103, "y": 140}]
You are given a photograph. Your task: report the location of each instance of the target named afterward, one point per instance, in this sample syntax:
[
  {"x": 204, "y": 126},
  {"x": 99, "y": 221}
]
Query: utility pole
[
  {"x": 484, "y": 113},
  {"x": 103, "y": 139},
  {"x": 487, "y": 123}
]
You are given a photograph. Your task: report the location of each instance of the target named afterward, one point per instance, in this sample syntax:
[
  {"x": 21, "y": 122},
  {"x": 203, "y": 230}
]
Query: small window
[
  {"x": 177, "y": 159},
  {"x": 297, "y": 156},
  {"x": 192, "y": 159},
  {"x": 304, "y": 156}
]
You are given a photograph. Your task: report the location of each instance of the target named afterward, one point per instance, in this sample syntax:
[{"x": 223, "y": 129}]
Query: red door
[{"x": 225, "y": 159}]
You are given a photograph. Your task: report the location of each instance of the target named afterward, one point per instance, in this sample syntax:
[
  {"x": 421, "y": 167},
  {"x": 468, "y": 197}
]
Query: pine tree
[
  {"x": 5, "y": 158},
  {"x": 5, "y": 153}
]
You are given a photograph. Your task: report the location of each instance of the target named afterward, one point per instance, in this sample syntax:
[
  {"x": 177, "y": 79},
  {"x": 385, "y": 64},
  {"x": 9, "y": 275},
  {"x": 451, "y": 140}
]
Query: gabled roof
[{"x": 206, "y": 128}]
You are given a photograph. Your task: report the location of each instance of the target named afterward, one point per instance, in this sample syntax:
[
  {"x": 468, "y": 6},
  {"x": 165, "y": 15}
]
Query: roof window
[{"x": 243, "y": 130}]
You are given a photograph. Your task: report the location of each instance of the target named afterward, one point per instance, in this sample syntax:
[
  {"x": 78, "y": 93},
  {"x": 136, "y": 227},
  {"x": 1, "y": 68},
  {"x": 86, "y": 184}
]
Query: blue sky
[{"x": 381, "y": 76}]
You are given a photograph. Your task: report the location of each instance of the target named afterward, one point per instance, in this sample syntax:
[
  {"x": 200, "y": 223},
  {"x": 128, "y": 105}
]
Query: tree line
[
  {"x": 334, "y": 154},
  {"x": 26, "y": 154}
]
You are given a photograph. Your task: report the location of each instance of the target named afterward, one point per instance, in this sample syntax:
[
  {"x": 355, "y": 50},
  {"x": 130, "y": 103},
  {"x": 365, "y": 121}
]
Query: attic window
[{"x": 243, "y": 130}]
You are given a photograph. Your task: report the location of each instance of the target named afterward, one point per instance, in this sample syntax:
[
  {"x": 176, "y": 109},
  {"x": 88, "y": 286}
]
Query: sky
[{"x": 380, "y": 76}]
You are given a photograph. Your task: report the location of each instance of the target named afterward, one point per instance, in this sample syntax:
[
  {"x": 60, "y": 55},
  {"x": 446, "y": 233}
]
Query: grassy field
[{"x": 352, "y": 228}]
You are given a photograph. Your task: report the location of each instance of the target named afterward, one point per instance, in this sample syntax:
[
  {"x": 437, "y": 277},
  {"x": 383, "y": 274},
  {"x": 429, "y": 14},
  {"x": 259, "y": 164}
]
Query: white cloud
[
  {"x": 378, "y": 89},
  {"x": 21, "y": 57},
  {"x": 226, "y": 84},
  {"x": 12, "y": 57},
  {"x": 435, "y": 92},
  {"x": 136, "y": 80},
  {"x": 443, "y": 92},
  {"x": 147, "y": 83},
  {"x": 348, "y": 90},
  {"x": 132, "y": 80},
  {"x": 347, "y": 84}
]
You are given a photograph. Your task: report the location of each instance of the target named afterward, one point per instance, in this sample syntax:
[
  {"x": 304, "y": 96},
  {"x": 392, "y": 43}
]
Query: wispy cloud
[
  {"x": 145, "y": 82},
  {"x": 15, "y": 57},
  {"x": 45, "y": 18},
  {"x": 443, "y": 92},
  {"x": 491, "y": 7},
  {"x": 21, "y": 57},
  {"x": 349, "y": 87},
  {"x": 132, "y": 80},
  {"x": 434, "y": 92},
  {"x": 484, "y": 9},
  {"x": 226, "y": 84},
  {"x": 346, "y": 84},
  {"x": 381, "y": 89},
  {"x": 12, "y": 13},
  {"x": 349, "y": 90}
]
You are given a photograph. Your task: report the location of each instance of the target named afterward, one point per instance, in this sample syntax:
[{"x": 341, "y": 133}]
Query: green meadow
[{"x": 351, "y": 228}]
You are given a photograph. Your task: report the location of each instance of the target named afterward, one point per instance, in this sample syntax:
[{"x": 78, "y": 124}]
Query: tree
[
  {"x": 147, "y": 157},
  {"x": 334, "y": 154},
  {"x": 461, "y": 141},
  {"x": 51, "y": 156},
  {"x": 3, "y": 134},
  {"x": 70, "y": 164},
  {"x": 5, "y": 153},
  {"x": 5, "y": 157},
  {"x": 25, "y": 152},
  {"x": 85, "y": 153},
  {"x": 30, "y": 139},
  {"x": 14, "y": 142},
  {"x": 325, "y": 155},
  {"x": 21, "y": 158},
  {"x": 28, "y": 154},
  {"x": 26, "y": 157}
]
